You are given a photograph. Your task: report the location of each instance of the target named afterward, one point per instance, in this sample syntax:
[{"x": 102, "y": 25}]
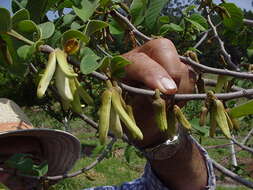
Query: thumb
[{"x": 146, "y": 70}]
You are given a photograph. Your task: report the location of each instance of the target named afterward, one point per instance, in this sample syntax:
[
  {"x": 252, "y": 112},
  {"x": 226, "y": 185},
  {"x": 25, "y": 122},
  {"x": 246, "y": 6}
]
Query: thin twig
[
  {"x": 233, "y": 154},
  {"x": 211, "y": 70},
  {"x": 232, "y": 175},
  {"x": 245, "y": 140},
  {"x": 223, "y": 49},
  {"x": 201, "y": 40},
  {"x": 246, "y": 148},
  {"x": 182, "y": 97}
]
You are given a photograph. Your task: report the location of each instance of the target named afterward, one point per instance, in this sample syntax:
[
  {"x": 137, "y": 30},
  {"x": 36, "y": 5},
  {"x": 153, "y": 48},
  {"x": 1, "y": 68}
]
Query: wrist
[{"x": 166, "y": 149}]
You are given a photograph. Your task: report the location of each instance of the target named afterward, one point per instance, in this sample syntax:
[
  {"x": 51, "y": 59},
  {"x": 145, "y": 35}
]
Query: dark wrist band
[{"x": 165, "y": 150}]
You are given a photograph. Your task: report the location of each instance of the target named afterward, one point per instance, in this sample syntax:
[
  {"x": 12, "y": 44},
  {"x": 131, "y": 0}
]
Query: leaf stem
[{"x": 14, "y": 34}]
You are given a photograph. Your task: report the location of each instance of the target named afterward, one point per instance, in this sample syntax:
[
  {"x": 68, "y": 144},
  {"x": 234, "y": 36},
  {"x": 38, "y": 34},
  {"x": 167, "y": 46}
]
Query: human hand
[{"x": 156, "y": 64}]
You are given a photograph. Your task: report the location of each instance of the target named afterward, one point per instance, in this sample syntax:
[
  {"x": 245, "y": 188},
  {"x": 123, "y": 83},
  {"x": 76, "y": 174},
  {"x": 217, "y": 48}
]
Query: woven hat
[{"x": 61, "y": 149}]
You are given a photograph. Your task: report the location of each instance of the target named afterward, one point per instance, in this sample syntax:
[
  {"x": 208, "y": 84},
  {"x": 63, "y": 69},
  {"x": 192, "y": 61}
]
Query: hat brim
[{"x": 61, "y": 149}]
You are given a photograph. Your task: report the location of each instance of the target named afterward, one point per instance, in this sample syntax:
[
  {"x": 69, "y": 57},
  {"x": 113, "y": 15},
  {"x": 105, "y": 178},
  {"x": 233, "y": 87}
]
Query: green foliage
[
  {"x": 152, "y": 13},
  {"x": 89, "y": 62},
  {"x": 47, "y": 30},
  {"x": 87, "y": 9},
  {"x": 24, "y": 164},
  {"x": 242, "y": 110},
  {"x": 5, "y": 24},
  {"x": 236, "y": 20}
]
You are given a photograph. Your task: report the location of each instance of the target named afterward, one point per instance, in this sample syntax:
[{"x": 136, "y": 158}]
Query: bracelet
[{"x": 165, "y": 150}]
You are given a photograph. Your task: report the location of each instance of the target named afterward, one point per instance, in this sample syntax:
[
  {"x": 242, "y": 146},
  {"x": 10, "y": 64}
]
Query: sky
[{"x": 245, "y": 4}]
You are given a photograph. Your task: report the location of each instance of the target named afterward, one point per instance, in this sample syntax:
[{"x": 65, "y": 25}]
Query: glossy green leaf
[
  {"x": 118, "y": 64},
  {"x": 89, "y": 62},
  {"x": 87, "y": 10},
  {"x": 236, "y": 20},
  {"x": 94, "y": 26},
  {"x": 74, "y": 34},
  {"x": 47, "y": 30},
  {"x": 20, "y": 15},
  {"x": 5, "y": 21},
  {"x": 153, "y": 11},
  {"x": 242, "y": 110}
]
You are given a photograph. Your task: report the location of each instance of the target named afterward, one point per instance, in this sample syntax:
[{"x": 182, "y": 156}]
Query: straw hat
[{"x": 61, "y": 149}]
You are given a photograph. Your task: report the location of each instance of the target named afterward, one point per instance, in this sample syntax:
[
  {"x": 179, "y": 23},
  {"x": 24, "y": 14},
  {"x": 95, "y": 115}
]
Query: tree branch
[
  {"x": 223, "y": 49},
  {"x": 245, "y": 140},
  {"x": 130, "y": 25},
  {"x": 246, "y": 148},
  {"x": 232, "y": 175},
  {"x": 211, "y": 70}
]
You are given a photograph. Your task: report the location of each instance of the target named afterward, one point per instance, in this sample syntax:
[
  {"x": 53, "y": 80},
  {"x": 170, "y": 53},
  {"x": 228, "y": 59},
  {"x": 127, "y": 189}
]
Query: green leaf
[
  {"x": 42, "y": 169},
  {"x": 20, "y": 15},
  {"x": 200, "y": 20},
  {"x": 153, "y": 11},
  {"x": 94, "y": 26},
  {"x": 87, "y": 10},
  {"x": 74, "y": 34},
  {"x": 104, "y": 3},
  {"x": 250, "y": 51},
  {"x": 236, "y": 20},
  {"x": 89, "y": 62},
  {"x": 164, "y": 19},
  {"x": 75, "y": 26},
  {"x": 170, "y": 28},
  {"x": 115, "y": 28},
  {"x": 5, "y": 21},
  {"x": 37, "y": 9},
  {"x": 28, "y": 27},
  {"x": 25, "y": 52},
  {"x": 196, "y": 25},
  {"x": 47, "y": 30},
  {"x": 137, "y": 11},
  {"x": 242, "y": 110},
  {"x": 118, "y": 64},
  {"x": 68, "y": 19},
  {"x": 105, "y": 63}
]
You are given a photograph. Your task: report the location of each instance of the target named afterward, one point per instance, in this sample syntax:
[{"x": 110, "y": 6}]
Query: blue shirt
[{"x": 149, "y": 181}]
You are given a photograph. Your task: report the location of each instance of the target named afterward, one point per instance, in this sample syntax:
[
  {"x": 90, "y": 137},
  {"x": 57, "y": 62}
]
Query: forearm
[{"x": 185, "y": 170}]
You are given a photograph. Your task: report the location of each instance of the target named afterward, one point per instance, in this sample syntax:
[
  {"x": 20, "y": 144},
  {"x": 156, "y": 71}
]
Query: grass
[{"x": 115, "y": 169}]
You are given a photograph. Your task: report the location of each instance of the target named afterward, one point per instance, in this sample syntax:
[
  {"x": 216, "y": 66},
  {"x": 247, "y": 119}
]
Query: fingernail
[{"x": 168, "y": 84}]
